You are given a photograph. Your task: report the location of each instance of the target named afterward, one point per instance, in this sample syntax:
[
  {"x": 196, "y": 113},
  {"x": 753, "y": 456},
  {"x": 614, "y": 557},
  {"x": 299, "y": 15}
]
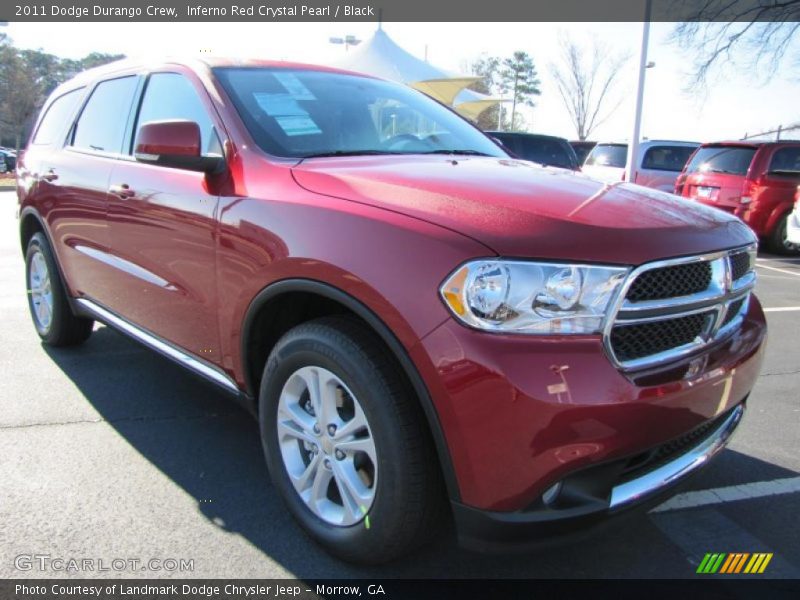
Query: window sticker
[
  {"x": 298, "y": 125},
  {"x": 278, "y": 104},
  {"x": 294, "y": 86}
]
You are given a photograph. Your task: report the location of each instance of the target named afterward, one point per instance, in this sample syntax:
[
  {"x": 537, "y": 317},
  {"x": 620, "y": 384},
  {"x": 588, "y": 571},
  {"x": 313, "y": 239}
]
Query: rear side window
[
  {"x": 608, "y": 155},
  {"x": 55, "y": 119},
  {"x": 786, "y": 161},
  {"x": 546, "y": 152},
  {"x": 171, "y": 97},
  {"x": 666, "y": 158},
  {"x": 733, "y": 160},
  {"x": 101, "y": 126}
]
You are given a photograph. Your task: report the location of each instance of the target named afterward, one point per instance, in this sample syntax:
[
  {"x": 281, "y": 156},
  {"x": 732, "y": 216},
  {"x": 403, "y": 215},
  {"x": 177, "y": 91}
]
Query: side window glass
[
  {"x": 55, "y": 119},
  {"x": 786, "y": 161},
  {"x": 101, "y": 126},
  {"x": 171, "y": 97}
]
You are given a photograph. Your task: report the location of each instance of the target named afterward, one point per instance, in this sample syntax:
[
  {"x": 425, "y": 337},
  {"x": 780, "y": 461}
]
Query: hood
[{"x": 518, "y": 209}]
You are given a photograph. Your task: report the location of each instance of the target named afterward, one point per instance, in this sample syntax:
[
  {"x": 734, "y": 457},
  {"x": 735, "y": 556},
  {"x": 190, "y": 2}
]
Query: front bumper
[
  {"x": 522, "y": 414},
  {"x": 489, "y": 530}
]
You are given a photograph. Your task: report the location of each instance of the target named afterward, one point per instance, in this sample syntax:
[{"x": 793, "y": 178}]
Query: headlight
[{"x": 532, "y": 297}]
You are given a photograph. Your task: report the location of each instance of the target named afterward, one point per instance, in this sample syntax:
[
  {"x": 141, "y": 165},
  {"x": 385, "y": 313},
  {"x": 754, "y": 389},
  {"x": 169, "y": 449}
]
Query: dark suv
[{"x": 419, "y": 321}]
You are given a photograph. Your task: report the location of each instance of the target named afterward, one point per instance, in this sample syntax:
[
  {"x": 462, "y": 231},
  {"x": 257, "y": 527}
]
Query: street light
[
  {"x": 633, "y": 147},
  {"x": 347, "y": 41}
]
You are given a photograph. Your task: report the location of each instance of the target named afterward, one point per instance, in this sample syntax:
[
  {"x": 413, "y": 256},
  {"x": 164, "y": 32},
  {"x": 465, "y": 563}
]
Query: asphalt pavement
[{"x": 109, "y": 451}]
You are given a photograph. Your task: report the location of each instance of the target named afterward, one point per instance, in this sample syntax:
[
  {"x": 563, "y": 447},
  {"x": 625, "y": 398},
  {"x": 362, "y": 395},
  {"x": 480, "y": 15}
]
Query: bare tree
[
  {"x": 756, "y": 33},
  {"x": 585, "y": 78}
]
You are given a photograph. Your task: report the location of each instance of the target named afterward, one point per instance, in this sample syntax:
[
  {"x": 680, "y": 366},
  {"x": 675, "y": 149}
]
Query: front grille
[
  {"x": 671, "y": 282},
  {"x": 740, "y": 265},
  {"x": 733, "y": 310},
  {"x": 631, "y": 342}
]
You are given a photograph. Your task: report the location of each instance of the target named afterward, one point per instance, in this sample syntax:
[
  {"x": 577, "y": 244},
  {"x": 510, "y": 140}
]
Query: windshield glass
[
  {"x": 302, "y": 113},
  {"x": 547, "y": 151},
  {"x": 721, "y": 159},
  {"x": 608, "y": 155}
]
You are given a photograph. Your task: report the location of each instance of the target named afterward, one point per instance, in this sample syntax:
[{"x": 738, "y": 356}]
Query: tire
[
  {"x": 777, "y": 241},
  {"x": 47, "y": 298},
  {"x": 401, "y": 499}
]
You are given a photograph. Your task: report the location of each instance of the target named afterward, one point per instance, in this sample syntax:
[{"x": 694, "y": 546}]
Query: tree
[
  {"x": 519, "y": 78},
  {"x": 488, "y": 69},
  {"x": 714, "y": 32},
  {"x": 585, "y": 79}
]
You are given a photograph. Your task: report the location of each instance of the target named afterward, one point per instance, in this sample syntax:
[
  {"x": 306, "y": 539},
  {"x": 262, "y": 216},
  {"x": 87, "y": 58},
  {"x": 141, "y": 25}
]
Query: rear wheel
[
  {"x": 778, "y": 241},
  {"x": 346, "y": 443},
  {"x": 47, "y": 298}
]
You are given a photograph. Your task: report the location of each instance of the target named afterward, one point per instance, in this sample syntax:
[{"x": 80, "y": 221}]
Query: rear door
[
  {"x": 716, "y": 174},
  {"x": 162, "y": 226},
  {"x": 661, "y": 164},
  {"x": 73, "y": 177}
]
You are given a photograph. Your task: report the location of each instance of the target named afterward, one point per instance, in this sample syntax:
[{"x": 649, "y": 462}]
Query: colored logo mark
[{"x": 734, "y": 562}]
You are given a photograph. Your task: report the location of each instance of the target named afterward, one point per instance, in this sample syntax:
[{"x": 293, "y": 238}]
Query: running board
[{"x": 168, "y": 350}]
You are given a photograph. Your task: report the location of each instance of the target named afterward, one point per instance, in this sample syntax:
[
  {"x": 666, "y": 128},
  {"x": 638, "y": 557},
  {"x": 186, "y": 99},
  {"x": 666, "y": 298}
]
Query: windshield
[
  {"x": 608, "y": 155},
  {"x": 546, "y": 151},
  {"x": 722, "y": 159},
  {"x": 302, "y": 113}
]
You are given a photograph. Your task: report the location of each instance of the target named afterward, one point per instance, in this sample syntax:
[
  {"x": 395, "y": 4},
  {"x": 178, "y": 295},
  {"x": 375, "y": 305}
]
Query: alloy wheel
[{"x": 41, "y": 291}]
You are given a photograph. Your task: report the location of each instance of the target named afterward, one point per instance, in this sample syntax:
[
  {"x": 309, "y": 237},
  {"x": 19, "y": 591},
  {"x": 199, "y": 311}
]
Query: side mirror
[{"x": 174, "y": 144}]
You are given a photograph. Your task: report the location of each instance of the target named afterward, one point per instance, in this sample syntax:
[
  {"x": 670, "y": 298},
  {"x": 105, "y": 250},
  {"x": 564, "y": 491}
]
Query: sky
[{"x": 734, "y": 104}]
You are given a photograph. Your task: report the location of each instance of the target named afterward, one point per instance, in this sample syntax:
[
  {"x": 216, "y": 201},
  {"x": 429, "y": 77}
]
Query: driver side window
[{"x": 170, "y": 97}]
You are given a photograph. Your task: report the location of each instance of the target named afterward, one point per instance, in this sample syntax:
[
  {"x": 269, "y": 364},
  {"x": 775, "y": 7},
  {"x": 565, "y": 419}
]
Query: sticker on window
[
  {"x": 278, "y": 104},
  {"x": 298, "y": 125},
  {"x": 294, "y": 86}
]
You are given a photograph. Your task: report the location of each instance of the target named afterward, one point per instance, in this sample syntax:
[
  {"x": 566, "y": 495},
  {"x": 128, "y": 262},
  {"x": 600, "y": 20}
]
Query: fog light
[{"x": 551, "y": 494}]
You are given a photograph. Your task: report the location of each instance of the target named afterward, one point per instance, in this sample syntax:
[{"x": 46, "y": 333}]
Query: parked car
[
  {"x": 793, "y": 222},
  {"x": 755, "y": 181},
  {"x": 411, "y": 316},
  {"x": 582, "y": 149},
  {"x": 660, "y": 162},
  {"x": 8, "y": 161},
  {"x": 547, "y": 150}
]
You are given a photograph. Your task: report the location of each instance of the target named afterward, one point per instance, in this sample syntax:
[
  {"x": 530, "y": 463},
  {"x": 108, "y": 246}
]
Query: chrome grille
[
  {"x": 668, "y": 282},
  {"x": 672, "y": 308}
]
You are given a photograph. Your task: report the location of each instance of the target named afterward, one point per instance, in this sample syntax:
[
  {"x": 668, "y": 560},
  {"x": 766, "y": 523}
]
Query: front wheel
[
  {"x": 47, "y": 298},
  {"x": 779, "y": 242},
  {"x": 346, "y": 442}
]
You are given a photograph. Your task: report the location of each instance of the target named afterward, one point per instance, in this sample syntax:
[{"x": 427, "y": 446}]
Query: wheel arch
[{"x": 334, "y": 296}]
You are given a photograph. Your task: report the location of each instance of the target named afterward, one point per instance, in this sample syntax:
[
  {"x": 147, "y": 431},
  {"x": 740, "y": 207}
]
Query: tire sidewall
[
  {"x": 356, "y": 373},
  {"x": 38, "y": 243}
]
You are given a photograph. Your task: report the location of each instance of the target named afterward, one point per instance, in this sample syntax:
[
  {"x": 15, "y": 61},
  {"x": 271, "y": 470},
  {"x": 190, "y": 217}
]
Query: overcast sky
[{"x": 736, "y": 103}]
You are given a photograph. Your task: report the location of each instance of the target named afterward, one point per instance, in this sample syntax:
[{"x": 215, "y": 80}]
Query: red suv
[
  {"x": 413, "y": 316},
  {"x": 756, "y": 181}
]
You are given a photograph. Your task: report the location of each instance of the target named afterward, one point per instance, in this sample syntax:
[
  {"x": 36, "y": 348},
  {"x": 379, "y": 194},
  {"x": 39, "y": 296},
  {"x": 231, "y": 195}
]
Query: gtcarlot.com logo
[
  {"x": 46, "y": 562},
  {"x": 731, "y": 563}
]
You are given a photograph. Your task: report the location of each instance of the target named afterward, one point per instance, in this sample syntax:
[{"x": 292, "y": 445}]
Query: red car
[
  {"x": 418, "y": 321},
  {"x": 755, "y": 181}
]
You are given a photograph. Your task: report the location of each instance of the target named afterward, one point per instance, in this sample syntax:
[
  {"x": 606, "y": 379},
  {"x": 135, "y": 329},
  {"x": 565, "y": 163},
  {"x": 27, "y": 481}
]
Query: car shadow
[{"x": 203, "y": 441}]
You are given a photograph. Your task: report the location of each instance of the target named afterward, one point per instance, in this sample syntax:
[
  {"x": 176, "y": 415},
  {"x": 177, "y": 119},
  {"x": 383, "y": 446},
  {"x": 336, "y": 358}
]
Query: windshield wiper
[
  {"x": 349, "y": 153},
  {"x": 459, "y": 152}
]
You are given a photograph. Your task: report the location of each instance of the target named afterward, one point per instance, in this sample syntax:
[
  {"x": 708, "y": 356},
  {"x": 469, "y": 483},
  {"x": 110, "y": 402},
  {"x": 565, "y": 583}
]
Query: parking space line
[
  {"x": 795, "y": 273},
  {"x": 782, "y": 309},
  {"x": 733, "y": 493}
]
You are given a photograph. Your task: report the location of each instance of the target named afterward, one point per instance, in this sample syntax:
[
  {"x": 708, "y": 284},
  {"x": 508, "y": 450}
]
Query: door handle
[
  {"x": 49, "y": 176},
  {"x": 121, "y": 190}
]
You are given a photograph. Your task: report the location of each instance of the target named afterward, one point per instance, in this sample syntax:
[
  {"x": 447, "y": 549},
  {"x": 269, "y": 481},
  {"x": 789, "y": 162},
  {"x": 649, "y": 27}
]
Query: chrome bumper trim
[{"x": 669, "y": 473}]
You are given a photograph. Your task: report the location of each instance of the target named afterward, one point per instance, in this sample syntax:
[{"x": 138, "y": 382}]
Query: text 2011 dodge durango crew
[{"x": 423, "y": 325}]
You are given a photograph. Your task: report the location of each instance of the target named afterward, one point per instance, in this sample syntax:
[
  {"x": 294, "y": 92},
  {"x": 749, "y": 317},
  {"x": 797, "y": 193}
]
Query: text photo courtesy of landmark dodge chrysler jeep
[{"x": 423, "y": 325}]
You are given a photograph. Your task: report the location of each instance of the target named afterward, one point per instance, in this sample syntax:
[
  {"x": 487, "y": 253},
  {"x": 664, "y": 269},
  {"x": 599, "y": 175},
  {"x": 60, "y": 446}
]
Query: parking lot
[{"x": 110, "y": 451}]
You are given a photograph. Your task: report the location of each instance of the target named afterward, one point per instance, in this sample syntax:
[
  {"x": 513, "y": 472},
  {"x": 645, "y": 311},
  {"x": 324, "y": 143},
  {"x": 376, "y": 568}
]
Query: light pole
[
  {"x": 347, "y": 41},
  {"x": 633, "y": 146}
]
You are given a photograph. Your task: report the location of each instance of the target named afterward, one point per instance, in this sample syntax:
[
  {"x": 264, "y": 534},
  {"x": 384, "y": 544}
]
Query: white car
[
  {"x": 660, "y": 162},
  {"x": 793, "y": 222}
]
